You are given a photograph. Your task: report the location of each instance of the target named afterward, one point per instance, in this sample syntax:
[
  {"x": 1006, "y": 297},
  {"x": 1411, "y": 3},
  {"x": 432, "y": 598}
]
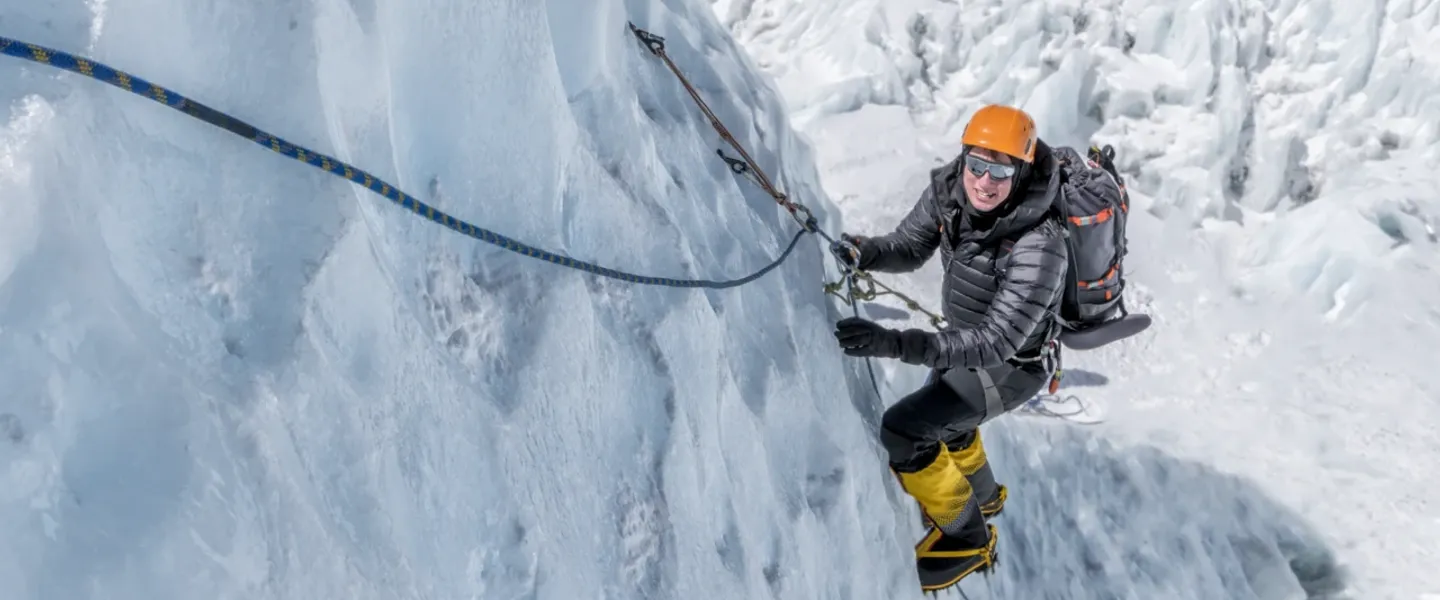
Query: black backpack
[{"x": 1092, "y": 209}]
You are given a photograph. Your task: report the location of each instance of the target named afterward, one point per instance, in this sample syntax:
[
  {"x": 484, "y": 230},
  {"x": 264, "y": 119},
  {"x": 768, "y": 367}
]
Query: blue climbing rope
[{"x": 136, "y": 85}]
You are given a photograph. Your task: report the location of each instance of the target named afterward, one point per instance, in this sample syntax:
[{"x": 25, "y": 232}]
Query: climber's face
[{"x": 988, "y": 177}]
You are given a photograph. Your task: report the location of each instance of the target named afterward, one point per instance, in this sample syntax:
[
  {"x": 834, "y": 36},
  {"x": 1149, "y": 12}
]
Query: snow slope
[
  {"x": 1281, "y": 155},
  {"x": 229, "y": 375}
]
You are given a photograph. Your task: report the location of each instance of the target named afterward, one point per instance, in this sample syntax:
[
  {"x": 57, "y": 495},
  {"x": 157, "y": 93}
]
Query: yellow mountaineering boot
[
  {"x": 971, "y": 461},
  {"x": 942, "y": 561},
  {"x": 995, "y": 504},
  {"x": 958, "y": 542}
]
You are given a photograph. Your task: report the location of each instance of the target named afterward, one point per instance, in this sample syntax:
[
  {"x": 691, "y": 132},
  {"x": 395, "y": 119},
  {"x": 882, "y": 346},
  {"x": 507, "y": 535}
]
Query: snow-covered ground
[
  {"x": 230, "y": 375},
  {"x": 1281, "y": 154}
]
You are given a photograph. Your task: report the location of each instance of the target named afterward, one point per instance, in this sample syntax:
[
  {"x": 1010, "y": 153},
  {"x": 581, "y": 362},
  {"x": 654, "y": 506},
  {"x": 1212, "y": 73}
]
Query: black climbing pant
[{"x": 951, "y": 406}]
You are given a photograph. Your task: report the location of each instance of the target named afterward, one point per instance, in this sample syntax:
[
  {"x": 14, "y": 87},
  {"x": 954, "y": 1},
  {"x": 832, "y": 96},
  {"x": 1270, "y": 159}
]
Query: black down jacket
[{"x": 999, "y": 305}]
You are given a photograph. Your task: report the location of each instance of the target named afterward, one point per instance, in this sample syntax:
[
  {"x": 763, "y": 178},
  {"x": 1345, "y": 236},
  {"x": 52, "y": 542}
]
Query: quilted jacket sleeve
[
  {"x": 1035, "y": 279},
  {"x": 912, "y": 243}
]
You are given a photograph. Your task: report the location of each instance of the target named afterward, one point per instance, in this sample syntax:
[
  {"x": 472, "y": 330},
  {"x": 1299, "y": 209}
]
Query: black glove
[
  {"x": 851, "y": 250},
  {"x": 860, "y": 337}
]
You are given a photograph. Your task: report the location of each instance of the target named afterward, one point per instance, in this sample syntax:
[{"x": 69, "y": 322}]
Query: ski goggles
[{"x": 979, "y": 167}]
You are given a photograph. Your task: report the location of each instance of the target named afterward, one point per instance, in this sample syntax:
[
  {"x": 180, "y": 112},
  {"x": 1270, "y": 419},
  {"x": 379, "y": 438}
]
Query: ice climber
[{"x": 1004, "y": 267}]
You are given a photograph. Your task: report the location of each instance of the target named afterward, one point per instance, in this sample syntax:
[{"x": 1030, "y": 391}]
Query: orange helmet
[{"x": 1004, "y": 129}]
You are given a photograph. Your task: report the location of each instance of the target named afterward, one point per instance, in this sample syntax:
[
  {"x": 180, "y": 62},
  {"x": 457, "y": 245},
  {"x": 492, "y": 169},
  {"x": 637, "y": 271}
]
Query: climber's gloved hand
[
  {"x": 862, "y": 337},
  {"x": 848, "y": 250}
]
